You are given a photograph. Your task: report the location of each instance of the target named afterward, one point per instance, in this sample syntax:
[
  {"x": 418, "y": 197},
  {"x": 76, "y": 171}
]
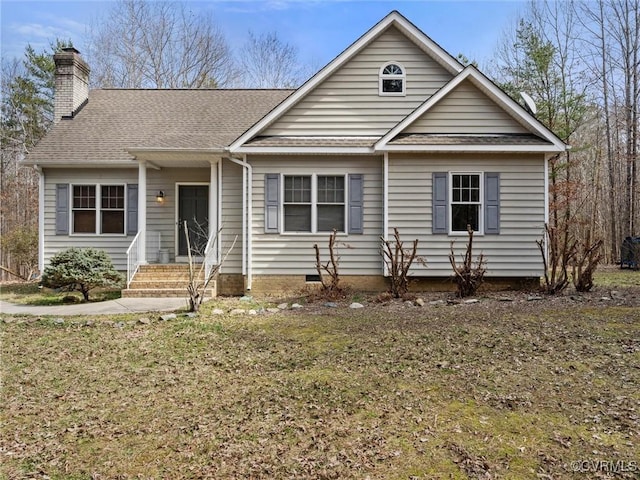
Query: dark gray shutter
[
  {"x": 356, "y": 210},
  {"x": 271, "y": 203},
  {"x": 132, "y": 209},
  {"x": 491, "y": 203},
  {"x": 62, "y": 209},
  {"x": 440, "y": 220}
]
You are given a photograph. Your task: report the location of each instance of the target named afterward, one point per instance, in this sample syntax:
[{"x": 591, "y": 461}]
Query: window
[
  {"x": 98, "y": 209},
  {"x": 466, "y": 202},
  {"x": 392, "y": 80},
  {"x": 297, "y": 204},
  {"x": 314, "y": 203},
  {"x": 112, "y": 212},
  {"x": 330, "y": 204},
  {"x": 84, "y": 209},
  {"x": 460, "y": 199}
]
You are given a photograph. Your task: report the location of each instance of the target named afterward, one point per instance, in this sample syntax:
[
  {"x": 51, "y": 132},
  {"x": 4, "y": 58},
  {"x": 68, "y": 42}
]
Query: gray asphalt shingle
[{"x": 115, "y": 120}]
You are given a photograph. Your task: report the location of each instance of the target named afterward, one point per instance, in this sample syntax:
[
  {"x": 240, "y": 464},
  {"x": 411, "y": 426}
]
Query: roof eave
[
  {"x": 473, "y": 148},
  {"x": 305, "y": 150}
]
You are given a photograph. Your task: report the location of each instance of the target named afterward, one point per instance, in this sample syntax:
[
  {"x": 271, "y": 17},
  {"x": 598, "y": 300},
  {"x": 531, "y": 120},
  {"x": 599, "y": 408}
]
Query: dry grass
[{"x": 488, "y": 390}]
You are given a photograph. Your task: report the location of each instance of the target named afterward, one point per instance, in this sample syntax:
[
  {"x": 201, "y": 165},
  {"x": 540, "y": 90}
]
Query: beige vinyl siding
[
  {"x": 347, "y": 103},
  {"x": 279, "y": 254},
  {"x": 466, "y": 110},
  {"x": 512, "y": 253},
  {"x": 231, "y": 221},
  {"x": 115, "y": 245},
  {"x": 161, "y": 218}
]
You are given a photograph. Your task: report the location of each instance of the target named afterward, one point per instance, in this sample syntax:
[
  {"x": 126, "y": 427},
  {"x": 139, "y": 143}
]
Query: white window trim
[
  {"x": 314, "y": 203},
  {"x": 480, "y": 231},
  {"x": 98, "y": 210},
  {"x": 402, "y": 77}
]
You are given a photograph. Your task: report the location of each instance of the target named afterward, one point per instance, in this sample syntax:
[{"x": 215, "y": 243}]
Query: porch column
[{"x": 142, "y": 212}]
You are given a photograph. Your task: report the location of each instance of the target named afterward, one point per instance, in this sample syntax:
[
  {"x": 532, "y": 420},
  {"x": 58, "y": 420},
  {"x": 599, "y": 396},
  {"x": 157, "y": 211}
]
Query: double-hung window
[
  {"x": 466, "y": 198},
  {"x": 297, "y": 204},
  {"x": 466, "y": 202},
  {"x": 314, "y": 203},
  {"x": 98, "y": 209},
  {"x": 330, "y": 203}
]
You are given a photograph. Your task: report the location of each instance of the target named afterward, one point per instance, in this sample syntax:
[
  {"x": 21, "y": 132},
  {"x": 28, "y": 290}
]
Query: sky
[{"x": 319, "y": 29}]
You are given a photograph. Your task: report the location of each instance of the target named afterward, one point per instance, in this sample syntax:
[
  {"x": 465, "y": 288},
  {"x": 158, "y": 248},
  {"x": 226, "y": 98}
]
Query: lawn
[{"x": 495, "y": 389}]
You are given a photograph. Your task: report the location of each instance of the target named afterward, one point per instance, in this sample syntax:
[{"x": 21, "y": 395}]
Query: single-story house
[{"x": 392, "y": 133}]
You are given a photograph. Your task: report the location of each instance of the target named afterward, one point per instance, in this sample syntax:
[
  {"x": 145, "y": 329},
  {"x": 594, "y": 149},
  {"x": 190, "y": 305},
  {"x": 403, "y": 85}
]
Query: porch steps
[{"x": 159, "y": 280}]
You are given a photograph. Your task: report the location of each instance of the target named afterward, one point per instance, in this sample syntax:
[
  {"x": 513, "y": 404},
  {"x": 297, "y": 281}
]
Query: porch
[{"x": 174, "y": 192}]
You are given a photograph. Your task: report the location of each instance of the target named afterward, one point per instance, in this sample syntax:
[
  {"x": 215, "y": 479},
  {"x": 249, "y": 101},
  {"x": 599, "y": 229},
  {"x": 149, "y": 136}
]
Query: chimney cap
[{"x": 70, "y": 50}]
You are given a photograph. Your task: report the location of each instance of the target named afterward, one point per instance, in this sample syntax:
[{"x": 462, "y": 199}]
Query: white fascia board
[
  {"x": 303, "y": 150},
  {"x": 395, "y": 18},
  {"x": 473, "y": 148},
  {"x": 493, "y": 92}
]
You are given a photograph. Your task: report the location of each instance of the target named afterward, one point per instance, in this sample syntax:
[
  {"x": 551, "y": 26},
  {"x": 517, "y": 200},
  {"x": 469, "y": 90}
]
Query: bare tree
[
  {"x": 201, "y": 278},
  {"x": 611, "y": 50},
  {"x": 145, "y": 44},
  {"x": 268, "y": 62}
]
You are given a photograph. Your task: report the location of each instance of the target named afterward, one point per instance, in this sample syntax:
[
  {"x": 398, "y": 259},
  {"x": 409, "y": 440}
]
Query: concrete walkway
[{"x": 109, "y": 307}]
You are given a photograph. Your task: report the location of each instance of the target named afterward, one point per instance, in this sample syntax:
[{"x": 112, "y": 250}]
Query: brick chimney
[{"x": 72, "y": 83}]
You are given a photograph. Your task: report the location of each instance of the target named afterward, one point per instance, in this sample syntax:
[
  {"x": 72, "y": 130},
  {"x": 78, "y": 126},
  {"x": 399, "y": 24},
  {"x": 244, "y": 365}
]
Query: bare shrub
[
  {"x": 199, "y": 279},
  {"x": 585, "y": 264},
  {"x": 558, "y": 253},
  {"x": 398, "y": 261},
  {"x": 468, "y": 275},
  {"x": 328, "y": 272}
]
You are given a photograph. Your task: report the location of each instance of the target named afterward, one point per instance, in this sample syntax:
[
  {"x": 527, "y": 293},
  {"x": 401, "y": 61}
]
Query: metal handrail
[{"x": 133, "y": 258}]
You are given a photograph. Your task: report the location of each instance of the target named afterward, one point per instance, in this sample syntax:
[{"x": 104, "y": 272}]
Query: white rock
[
  {"x": 217, "y": 311},
  {"x": 283, "y": 306},
  {"x": 356, "y": 305}
]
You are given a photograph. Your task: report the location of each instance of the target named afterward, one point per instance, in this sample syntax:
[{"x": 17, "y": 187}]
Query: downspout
[
  {"x": 38, "y": 169},
  {"x": 247, "y": 194},
  {"x": 219, "y": 191},
  {"x": 546, "y": 208}
]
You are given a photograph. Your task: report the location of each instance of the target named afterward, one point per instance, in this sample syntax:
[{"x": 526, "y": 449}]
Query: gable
[
  {"x": 348, "y": 101},
  {"x": 466, "y": 110}
]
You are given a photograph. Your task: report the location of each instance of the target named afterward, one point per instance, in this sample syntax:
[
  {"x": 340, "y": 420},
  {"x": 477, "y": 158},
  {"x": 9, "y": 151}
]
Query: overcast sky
[{"x": 319, "y": 29}]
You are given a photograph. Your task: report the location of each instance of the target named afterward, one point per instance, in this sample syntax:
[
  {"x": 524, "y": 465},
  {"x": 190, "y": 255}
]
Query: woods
[{"x": 579, "y": 62}]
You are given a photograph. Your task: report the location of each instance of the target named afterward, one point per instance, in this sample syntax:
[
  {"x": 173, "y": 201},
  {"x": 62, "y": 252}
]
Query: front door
[{"x": 193, "y": 208}]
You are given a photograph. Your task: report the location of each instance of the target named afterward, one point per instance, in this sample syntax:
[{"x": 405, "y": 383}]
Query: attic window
[{"x": 392, "y": 79}]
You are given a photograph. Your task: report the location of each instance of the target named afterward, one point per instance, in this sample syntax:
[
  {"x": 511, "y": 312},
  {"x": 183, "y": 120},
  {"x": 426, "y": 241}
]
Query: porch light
[{"x": 160, "y": 197}]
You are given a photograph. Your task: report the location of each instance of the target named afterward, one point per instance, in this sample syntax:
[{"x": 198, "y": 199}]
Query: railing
[
  {"x": 210, "y": 255},
  {"x": 133, "y": 258}
]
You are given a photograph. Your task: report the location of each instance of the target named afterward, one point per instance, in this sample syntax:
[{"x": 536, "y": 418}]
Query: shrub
[
  {"x": 398, "y": 261},
  {"x": 468, "y": 275},
  {"x": 81, "y": 269}
]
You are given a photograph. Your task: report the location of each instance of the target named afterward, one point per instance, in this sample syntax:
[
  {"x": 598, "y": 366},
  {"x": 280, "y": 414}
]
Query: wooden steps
[{"x": 163, "y": 280}]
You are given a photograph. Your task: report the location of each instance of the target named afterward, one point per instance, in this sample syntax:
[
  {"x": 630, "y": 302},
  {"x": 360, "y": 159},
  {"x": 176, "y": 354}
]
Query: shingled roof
[{"x": 116, "y": 120}]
